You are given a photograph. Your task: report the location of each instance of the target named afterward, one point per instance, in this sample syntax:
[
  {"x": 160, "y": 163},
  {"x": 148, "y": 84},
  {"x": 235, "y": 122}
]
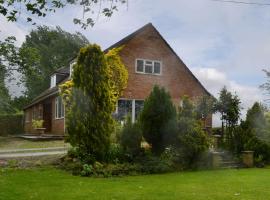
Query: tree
[
  {"x": 257, "y": 121},
  {"x": 44, "y": 51},
  {"x": 93, "y": 99},
  {"x": 252, "y": 134},
  {"x": 191, "y": 141},
  {"x": 229, "y": 107},
  {"x": 156, "y": 119},
  {"x": 11, "y": 10},
  {"x": 266, "y": 86}
]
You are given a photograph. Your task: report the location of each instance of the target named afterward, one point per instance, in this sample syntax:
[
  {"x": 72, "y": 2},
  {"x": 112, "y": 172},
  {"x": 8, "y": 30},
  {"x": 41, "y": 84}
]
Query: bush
[
  {"x": 115, "y": 154},
  {"x": 192, "y": 141},
  {"x": 131, "y": 138},
  {"x": 151, "y": 164},
  {"x": 11, "y": 124},
  {"x": 158, "y": 112}
]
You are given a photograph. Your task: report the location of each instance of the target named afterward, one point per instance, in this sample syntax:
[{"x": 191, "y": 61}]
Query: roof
[
  {"x": 47, "y": 93},
  {"x": 129, "y": 37},
  {"x": 65, "y": 70}
]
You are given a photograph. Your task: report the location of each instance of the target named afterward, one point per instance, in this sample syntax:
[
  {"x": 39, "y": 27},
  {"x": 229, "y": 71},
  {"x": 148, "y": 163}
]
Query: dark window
[
  {"x": 156, "y": 68},
  {"x": 138, "y": 107},
  {"x": 140, "y": 65},
  {"x": 124, "y": 108}
]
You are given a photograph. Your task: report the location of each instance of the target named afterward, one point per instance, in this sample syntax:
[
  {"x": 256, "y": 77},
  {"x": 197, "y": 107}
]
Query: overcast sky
[{"x": 222, "y": 43}]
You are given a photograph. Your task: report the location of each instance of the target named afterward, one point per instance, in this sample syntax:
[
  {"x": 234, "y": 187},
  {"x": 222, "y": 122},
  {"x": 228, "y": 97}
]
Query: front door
[{"x": 47, "y": 116}]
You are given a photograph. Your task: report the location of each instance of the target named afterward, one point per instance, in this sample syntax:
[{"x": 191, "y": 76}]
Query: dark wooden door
[{"x": 47, "y": 116}]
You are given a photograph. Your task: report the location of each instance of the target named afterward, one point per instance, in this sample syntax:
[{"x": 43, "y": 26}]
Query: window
[
  {"x": 59, "y": 108},
  {"x": 53, "y": 80},
  {"x": 148, "y": 66},
  {"x": 27, "y": 116},
  {"x": 124, "y": 108},
  {"x": 71, "y": 68},
  {"x": 129, "y": 107},
  {"x": 138, "y": 107}
]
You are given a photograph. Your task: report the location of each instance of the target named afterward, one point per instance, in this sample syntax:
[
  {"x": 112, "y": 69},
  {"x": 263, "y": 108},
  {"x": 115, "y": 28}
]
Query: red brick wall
[
  {"x": 57, "y": 125},
  {"x": 174, "y": 75},
  {"x": 28, "y": 128}
]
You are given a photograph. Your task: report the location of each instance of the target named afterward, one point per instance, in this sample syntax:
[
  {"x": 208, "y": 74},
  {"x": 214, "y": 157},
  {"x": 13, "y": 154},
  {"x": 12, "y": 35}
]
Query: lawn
[
  {"x": 49, "y": 183},
  {"x": 17, "y": 143}
]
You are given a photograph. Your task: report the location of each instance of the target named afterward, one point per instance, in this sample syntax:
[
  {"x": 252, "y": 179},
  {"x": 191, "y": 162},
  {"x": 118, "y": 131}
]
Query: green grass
[
  {"x": 17, "y": 143},
  {"x": 49, "y": 183}
]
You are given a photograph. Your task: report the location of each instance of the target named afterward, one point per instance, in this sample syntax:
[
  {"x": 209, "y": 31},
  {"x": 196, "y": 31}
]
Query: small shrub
[
  {"x": 37, "y": 123},
  {"x": 131, "y": 138},
  {"x": 153, "y": 165},
  {"x": 115, "y": 154},
  {"x": 87, "y": 170}
]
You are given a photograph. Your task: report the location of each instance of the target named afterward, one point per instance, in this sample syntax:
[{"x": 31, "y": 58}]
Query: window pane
[
  {"x": 124, "y": 108},
  {"x": 139, "y": 65},
  {"x": 138, "y": 107},
  {"x": 157, "y": 68},
  {"x": 148, "y": 69},
  {"x": 59, "y": 107}
]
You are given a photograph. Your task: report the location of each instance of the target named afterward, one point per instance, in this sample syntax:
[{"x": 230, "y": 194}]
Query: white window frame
[
  {"x": 133, "y": 117},
  {"x": 144, "y": 63},
  {"x": 71, "y": 68},
  {"x": 56, "y": 109},
  {"x": 53, "y": 80}
]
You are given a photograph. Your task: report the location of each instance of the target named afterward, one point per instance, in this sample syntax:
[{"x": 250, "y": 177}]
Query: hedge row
[{"x": 11, "y": 124}]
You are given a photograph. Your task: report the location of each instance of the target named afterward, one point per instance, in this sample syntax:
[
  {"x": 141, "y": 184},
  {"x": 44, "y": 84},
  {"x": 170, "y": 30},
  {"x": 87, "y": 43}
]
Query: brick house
[{"x": 149, "y": 60}]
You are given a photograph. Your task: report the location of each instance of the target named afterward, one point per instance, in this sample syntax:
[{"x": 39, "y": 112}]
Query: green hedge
[{"x": 11, "y": 124}]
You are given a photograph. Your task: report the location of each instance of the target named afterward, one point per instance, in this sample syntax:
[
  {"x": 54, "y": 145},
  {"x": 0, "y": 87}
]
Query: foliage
[
  {"x": 44, "y": 51},
  {"x": 156, "y": 119},
  {"x": 119, "y": 73},
  {"x": 93, "y": 100},
  {"x": 155, "y": 165},
  {"x": 66, "y": 93},
  {"x": 266, "y": 85},
  {"x": 131, "y": 138},
  {"x": 251, "y": 134},
  {"x": 8, "y": 63},
  {"x": 191, "y": 140},
  {"x": 258, "y": 122},
  {"x": 204, "y": 106},
  {"x": 228, "y": 105},
  {"x": 37, "y": 123},
  {"x": 11, "y": 124},
  {"x": 11, "y": 10},
  {"x": 19, "y": 103}
]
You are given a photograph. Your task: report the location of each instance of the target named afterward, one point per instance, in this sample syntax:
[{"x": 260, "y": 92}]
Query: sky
[{"x": 223, "y": 44}]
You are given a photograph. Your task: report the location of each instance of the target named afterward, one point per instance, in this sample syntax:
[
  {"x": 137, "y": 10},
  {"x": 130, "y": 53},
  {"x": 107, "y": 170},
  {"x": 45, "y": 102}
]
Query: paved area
[
  {"x": 34, "y": 152},
  {"x": 31, "y": 154}
]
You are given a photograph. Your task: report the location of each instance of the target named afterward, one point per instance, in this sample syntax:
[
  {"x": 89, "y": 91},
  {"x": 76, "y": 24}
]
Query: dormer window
[
  {"x": 71, "y": 68},
  {"x": 53, "y": 80},
  {"x": 148, "y": 66}
]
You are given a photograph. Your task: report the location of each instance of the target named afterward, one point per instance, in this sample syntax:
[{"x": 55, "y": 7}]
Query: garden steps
[{"x": 227, "y": 161}]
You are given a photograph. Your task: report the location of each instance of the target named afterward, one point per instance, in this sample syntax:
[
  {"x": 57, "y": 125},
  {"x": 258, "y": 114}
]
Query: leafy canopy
[{"x": 44, "y": 51}]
